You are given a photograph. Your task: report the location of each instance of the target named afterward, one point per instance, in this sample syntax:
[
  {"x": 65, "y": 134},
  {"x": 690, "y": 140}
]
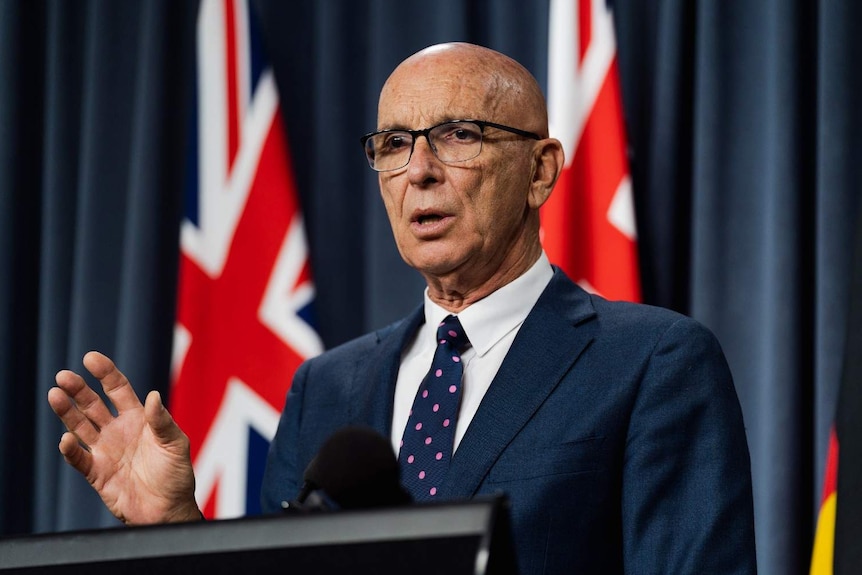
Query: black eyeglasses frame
[{"x": 414, "y": 134}]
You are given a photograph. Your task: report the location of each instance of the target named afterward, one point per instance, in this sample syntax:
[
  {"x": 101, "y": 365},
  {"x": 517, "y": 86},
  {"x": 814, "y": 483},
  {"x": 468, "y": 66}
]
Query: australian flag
[{"x": 245, "y": 288}]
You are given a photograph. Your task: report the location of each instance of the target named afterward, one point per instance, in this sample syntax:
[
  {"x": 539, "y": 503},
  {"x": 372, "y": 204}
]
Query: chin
[
  {"x": 438, "y": 258},
  {"x": 435, "y": 266}
]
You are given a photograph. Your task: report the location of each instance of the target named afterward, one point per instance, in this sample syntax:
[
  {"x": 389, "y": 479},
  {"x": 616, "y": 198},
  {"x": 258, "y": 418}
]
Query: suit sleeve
[
  {"x": 283, "y": 478},
  {"x": 687, "y": 497}
]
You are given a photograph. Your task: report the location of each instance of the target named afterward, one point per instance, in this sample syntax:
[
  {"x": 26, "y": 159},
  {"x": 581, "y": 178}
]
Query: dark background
[{"x": 746, "y": 142}]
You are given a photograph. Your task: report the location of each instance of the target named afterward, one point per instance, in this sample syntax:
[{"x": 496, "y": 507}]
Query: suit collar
[
  {"x": 547, "y": 345},
  {"x": 373, "y": 392},
  {"x": 488, "y": 320}
]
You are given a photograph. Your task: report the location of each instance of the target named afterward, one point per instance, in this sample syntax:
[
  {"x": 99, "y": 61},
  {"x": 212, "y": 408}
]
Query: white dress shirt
[{"x": 491, "y": 325}]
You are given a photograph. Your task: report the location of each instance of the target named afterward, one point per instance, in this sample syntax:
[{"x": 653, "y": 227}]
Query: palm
[
  {"x": 138, "y": 461},
  {"x": 138, "y": 478}
]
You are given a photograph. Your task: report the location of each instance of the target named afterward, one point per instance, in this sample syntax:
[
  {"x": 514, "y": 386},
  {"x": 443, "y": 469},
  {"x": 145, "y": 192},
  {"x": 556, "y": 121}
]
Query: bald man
[{"x": 614, "y": 428}]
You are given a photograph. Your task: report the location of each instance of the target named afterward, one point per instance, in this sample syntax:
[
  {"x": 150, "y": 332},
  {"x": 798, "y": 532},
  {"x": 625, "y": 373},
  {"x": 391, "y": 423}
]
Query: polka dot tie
[{"x": 427, "y": 445}]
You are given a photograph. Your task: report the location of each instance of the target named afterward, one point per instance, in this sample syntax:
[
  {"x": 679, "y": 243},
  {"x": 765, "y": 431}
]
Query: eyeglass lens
[{"x": 450, "y": 142}]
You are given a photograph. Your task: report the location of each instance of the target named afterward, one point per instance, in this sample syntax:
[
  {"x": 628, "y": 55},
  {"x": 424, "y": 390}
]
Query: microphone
[{"x": 354, "y": 469}]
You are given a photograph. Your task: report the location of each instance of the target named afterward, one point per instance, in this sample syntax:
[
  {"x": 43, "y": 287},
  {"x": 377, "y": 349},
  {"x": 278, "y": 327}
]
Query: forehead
[{"x": 427, "y": 93}]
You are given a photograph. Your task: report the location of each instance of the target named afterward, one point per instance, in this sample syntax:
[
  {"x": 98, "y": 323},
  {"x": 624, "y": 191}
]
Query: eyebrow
[{"x": 434, "y": 123}]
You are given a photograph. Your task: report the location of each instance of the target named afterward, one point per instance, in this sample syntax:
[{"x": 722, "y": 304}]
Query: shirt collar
[{"x": 488, "y": 320}]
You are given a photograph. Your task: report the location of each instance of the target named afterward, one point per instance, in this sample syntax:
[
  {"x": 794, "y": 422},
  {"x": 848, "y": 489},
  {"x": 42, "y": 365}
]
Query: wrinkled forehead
[{"x": 425, "y": 93}]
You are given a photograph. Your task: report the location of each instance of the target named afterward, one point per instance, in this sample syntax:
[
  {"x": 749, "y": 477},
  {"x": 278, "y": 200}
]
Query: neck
[{"x": 459, "y": 289}]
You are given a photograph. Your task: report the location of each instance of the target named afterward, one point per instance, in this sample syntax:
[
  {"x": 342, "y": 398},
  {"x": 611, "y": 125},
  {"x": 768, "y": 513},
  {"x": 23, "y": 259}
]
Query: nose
[{"x": 424, "y": 167}]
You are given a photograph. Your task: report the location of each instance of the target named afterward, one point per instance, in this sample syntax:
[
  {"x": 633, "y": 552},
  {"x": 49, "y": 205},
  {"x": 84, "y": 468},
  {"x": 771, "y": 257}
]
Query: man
[{"x": 614, "y": 428}]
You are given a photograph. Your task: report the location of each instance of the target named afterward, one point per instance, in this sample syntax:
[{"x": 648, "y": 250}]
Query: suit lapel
[
  {"x": 557, "y": 327},
  {"x": 373, "y": 387}
]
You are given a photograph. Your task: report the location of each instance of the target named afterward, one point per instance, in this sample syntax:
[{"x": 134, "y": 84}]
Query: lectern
[{"x": 451, "y": 538}]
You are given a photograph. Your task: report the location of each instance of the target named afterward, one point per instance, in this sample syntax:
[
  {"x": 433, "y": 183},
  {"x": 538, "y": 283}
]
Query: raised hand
[{"x": 138, "y": 461}]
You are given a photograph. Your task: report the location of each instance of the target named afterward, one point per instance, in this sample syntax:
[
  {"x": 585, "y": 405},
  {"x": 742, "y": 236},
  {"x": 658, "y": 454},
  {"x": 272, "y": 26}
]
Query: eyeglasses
[{"x": 452, "y": 142}]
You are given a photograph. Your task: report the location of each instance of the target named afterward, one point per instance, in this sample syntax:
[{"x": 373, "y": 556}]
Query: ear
[{"x": 548, "y": 161}]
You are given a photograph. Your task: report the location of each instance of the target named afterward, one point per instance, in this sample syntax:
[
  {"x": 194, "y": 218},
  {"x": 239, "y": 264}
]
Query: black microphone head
[{"x": 357, "y": 468}]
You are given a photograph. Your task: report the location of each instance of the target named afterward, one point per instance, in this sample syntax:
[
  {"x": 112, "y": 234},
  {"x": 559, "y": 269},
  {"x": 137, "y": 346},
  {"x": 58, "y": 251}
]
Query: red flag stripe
[
  {"x": 822, "y": 556},
  {"x": 233, "y": 127},
  {"x": 585, "y": 28},
  {"x": 588, "y": 222},
  {"x": 830, "y": 481}
]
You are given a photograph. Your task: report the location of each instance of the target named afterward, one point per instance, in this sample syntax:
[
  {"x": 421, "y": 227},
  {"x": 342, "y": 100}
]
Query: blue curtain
[{"x": 744, "y": 130}]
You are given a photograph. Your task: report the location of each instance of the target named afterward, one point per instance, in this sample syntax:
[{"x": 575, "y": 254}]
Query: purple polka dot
[
  {"x": 427, "y": 441},
  {"x": 453, "y": 333},
  {"x": 425, "y": 393},
  {"x": 436, "y": 407},
  {"x": 438, "y": 373},
  {"x": 418, "y": 426},
  {"x": 410, "y": 459},
  {"x": 442, "y": 341},
  {"x": 401, "y": 444},
  {"x": 439, "y": 455},
  {"x": 456, "y": 359},
  {"x": 445, "y": 423},
  {"x": 421, "y": 475},
  {"x": 452, "y": 389},
  {"x": 433, "y": 491}
]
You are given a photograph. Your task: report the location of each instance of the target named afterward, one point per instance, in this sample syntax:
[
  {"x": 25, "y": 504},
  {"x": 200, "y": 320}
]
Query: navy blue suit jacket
[{"x": 614, "y": 428}]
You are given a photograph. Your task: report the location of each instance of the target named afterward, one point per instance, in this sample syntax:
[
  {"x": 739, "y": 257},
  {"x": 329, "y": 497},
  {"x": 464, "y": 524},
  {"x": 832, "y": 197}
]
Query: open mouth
[
  {"x": 428, "y": 219},
  {"x": 429, "y": 224}
]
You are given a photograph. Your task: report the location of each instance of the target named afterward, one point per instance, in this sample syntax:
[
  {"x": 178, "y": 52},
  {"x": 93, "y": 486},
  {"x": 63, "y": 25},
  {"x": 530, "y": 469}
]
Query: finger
[
  {"x": 86, "y": 400},
  {"x": 71, "y": 416},
  {"x": 75, "y": 455},
  {"x": 115, "y": 384},
  {"x": 160, "y": 421}
]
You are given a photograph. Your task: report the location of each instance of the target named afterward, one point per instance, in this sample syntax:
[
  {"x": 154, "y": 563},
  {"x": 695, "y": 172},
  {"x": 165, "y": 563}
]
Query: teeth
[{"x": 427, "y": 219}]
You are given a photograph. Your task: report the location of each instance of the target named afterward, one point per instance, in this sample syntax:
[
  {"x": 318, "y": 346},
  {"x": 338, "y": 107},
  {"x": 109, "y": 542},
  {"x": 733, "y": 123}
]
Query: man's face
[{"x": 465, "y": 219}]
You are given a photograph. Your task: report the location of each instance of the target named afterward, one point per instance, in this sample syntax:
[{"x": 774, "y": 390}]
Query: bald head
[{"x": 497, "y": 87}]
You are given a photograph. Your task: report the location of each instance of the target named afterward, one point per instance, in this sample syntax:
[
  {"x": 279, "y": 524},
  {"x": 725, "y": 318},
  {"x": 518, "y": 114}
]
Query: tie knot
[{"x": 450, "y": 333}]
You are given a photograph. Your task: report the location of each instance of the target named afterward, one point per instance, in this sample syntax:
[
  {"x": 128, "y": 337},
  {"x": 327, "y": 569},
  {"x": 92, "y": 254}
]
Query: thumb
[{"x": 160, "y": 421}]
